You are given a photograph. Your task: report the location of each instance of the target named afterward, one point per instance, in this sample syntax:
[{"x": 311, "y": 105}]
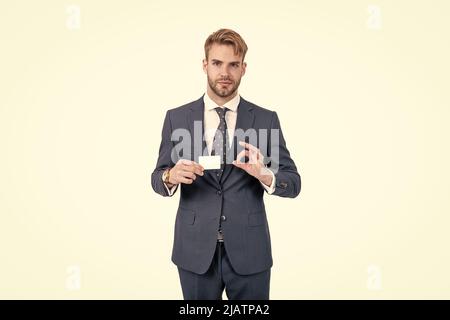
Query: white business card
[{"x": 209, "y": 162}]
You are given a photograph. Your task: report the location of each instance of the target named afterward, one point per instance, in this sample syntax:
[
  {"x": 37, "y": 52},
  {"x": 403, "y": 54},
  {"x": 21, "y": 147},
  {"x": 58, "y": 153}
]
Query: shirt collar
[{"x": 231, "y": 105}]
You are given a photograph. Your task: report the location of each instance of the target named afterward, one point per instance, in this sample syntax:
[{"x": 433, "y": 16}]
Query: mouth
[{"x": 224, "y": 82}]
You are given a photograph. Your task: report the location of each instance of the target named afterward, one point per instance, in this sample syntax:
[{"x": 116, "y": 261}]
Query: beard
[{"x": 221, "y": 90}]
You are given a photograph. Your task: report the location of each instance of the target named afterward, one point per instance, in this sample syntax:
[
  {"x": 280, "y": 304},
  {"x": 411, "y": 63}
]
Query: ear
[
  {"x": 244, "y": 67},
  {"x": 205, "y": 64}
]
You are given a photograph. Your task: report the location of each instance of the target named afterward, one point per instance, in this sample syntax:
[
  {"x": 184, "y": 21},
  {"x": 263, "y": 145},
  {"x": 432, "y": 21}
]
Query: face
[{"x": 224, "y": 70}]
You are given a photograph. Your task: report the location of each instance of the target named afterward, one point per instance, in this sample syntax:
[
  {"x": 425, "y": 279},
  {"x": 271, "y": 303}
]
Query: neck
[{"x": 219, "y": 100}]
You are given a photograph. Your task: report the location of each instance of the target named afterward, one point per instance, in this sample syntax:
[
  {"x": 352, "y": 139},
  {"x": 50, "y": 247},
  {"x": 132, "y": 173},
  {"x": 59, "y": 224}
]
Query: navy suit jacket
[{"x": 235, "y": 200}]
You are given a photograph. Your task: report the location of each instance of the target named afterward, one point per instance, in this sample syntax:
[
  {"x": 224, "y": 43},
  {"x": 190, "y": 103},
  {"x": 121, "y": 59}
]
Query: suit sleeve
[
  {"x": 287, "y": 178},
  {"x": 164, "y": 159}
]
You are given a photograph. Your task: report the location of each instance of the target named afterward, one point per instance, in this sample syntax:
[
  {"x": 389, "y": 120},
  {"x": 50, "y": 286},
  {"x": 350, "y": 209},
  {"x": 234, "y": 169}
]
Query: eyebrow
[{"x": 236, "y": 62}]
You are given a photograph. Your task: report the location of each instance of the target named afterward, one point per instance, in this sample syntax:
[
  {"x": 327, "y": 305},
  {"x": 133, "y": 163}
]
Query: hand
[
  {"x": 185, "y": 171},
  {"x": 255, "y": 166}
]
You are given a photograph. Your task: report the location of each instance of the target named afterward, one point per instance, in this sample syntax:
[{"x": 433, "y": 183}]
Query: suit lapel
[
  {"x": 196, "y": 115},
  {"x": 245, "y": 120},
  {"x": 199, "y": 148}
]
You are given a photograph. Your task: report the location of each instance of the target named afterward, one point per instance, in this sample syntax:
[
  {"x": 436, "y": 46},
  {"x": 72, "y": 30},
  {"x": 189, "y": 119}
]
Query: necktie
[
  {"x": 220, "y": 148},
  {"x": 220, "y": 139}
]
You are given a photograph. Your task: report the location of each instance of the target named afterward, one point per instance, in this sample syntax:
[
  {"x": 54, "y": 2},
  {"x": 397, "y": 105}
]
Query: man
[{"x": 221, "y": 238}]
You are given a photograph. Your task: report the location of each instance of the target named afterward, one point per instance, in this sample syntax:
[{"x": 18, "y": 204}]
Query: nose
[{"x": 224, "y": 72}]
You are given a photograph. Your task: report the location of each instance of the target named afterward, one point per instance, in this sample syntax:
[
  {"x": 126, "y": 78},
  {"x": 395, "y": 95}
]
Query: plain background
[{"x": 362, "y": 92}]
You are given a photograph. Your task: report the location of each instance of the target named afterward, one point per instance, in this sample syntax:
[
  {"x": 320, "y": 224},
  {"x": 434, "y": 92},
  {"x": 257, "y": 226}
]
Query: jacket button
[
  {"x": 219, "y": 192},
  {"x": 223, "y": 218}
]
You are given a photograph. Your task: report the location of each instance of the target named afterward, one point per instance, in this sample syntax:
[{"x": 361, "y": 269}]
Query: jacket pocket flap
[
  {"x": 256, "y": 219},
  {"x": 186, "y": 215}
]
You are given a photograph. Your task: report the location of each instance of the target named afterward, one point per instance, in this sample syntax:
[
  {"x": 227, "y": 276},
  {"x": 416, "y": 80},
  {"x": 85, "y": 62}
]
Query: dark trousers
[{"x": 220, "y": 276}]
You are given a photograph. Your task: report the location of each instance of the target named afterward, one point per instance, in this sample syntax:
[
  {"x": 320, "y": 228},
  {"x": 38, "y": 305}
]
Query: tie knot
[{"x": 221, "y": 111}]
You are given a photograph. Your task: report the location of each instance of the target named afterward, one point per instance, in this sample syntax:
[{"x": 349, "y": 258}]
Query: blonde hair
[{"x": 227, "y": 37}]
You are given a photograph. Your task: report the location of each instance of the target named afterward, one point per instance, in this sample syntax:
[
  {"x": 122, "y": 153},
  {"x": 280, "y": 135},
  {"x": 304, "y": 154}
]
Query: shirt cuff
[
  {"x": 170, "y": 191},
  {"x": 270, "y": 189}
]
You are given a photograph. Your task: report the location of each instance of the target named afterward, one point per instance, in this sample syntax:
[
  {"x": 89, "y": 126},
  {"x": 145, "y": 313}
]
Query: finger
[
  {"x": 188, "y": 174},
  {"x": 185, "y": 166},
  {"x": 185, "y": 180},
  {"x": 248, "y": 146},
  {"x": 184, "y": 162},
  {"x": 194, "y": 169},
  {"x": 243, "y": 153},
  {"x": 199, "y": 167},
  {"x": 237, "y": 164},
  {"x": 192, "y": 166},
  {"x": 196, "y": 164},
  {"x": 188, "y": 168},
  {"x": 255, "y": 154},
  {"x": 253, "y": 157},
  {"x": 240, "y": 165}
]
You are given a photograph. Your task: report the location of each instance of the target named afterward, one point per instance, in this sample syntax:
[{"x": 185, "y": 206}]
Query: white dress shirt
[{"x": 212, "y": 121}]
